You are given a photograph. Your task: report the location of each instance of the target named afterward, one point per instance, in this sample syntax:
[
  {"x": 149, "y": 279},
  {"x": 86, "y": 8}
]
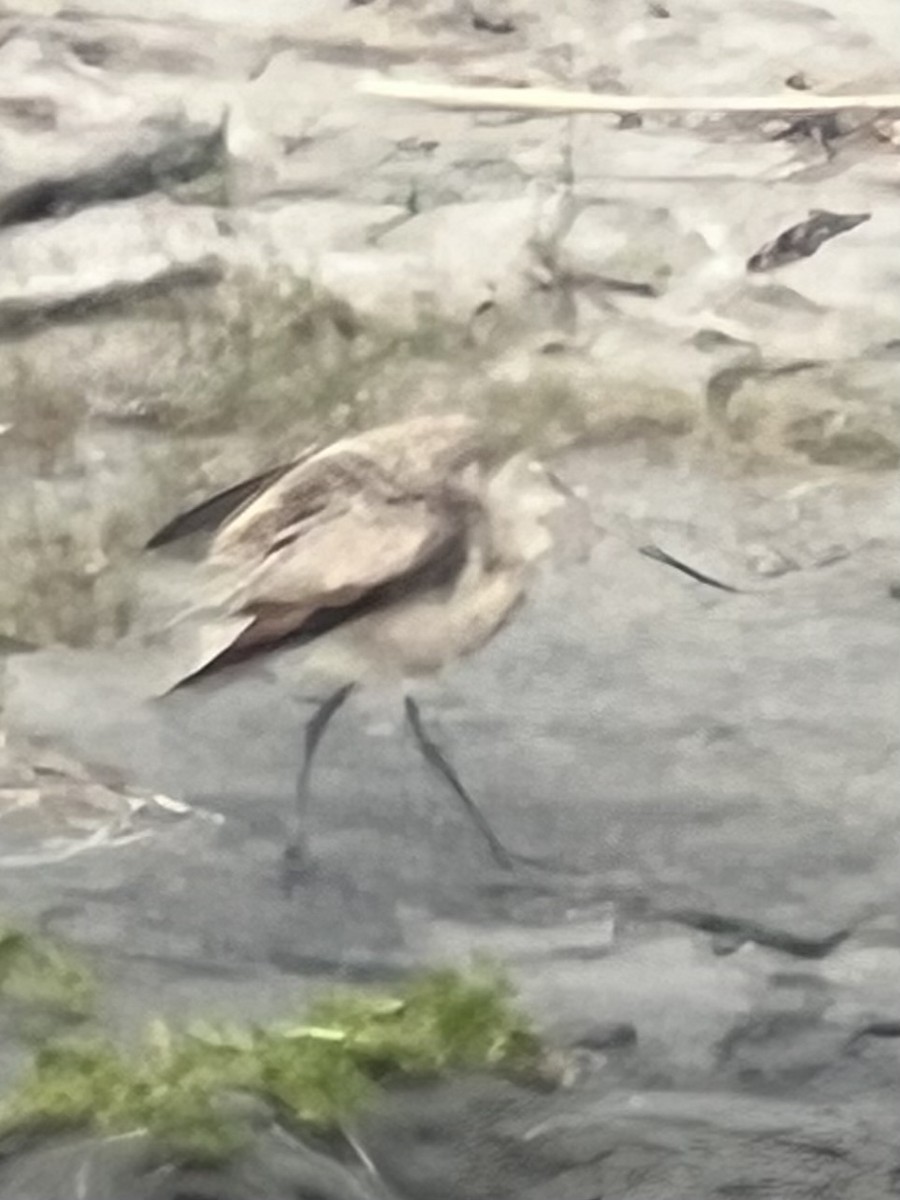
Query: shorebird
[{"x": 388, "y": 555}]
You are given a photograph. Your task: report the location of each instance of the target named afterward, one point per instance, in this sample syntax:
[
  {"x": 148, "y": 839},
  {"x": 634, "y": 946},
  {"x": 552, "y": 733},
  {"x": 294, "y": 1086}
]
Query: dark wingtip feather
[{"x": 209, "y": 515}]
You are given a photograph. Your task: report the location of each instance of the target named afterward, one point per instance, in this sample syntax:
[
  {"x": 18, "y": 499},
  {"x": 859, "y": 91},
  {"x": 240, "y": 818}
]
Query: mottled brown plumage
[
  {"x": 400, "y": 537},
  {"x": 389, "y": 553}
]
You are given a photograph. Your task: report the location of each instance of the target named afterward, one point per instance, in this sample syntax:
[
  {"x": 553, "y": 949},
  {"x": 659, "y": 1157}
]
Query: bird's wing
[
  {"x": 329, "y": 567},
  {"x": 342, "y": 553},
  {"x": 335, "y": 534},
  {"x": 387, "y": 464},
  {"x": 249, "y": 511},
  {"x": 211, "y": 514}
]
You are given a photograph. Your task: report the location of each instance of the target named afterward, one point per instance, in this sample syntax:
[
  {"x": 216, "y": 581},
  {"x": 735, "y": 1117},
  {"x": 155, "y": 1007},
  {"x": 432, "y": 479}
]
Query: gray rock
[
  {"x": 490, "y": 1141},
  {"x": 292, "y": 237},
  {"x": 52, "y": 808},
  {"x": 657, "y": 258},
  {"x": 480, "y": 1139},
  {"x": 300, "y": 130},
  {"x": 829, "y": 414},
  {"x": 279, "y": 1168},
  {"x": 163, "y": 163},
  {"x": 628, "y": 248},
  {"x": 716, "y": 775},
  {"x": 102, "y": 258},
  {"x": 450, "y": 243},
  {"x": 104, "y": 143}
]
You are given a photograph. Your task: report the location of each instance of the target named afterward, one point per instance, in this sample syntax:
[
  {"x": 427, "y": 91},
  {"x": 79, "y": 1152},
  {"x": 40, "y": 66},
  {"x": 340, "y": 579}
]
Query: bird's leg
[
  {"x": 295, "y": 852},
  {"x": 436, "y": 759}
]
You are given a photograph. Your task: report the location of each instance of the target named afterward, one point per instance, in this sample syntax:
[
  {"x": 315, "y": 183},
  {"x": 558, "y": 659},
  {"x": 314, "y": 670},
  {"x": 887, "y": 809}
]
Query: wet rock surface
[
  {"x": 710, "y": 780},
  {"x": 52, "y": 807},
  {"x": 213, "y": 247}
]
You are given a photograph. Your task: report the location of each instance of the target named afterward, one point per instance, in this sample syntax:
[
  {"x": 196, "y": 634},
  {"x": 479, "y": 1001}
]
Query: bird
[{"x": 388, "y": 554}]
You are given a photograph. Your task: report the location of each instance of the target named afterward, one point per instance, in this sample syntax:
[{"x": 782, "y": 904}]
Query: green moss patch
[
  {"x": 41, "y": 983},
  {"x": 178, "y": 1086}
]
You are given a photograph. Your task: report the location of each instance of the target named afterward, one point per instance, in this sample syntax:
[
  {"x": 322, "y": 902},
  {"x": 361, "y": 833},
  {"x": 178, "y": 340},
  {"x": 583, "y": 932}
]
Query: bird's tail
[{"x": 200, "y": 644}]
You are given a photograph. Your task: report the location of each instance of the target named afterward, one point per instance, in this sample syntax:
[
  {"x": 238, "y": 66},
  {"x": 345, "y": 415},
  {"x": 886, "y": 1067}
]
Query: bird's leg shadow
[
  {"x": 296, "y": 854},
  {"x": 436, "y": 759}
]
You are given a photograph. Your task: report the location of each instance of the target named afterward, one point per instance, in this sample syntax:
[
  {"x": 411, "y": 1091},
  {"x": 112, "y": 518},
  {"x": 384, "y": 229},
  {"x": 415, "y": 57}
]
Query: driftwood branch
[{"x": 558, "y": 100}]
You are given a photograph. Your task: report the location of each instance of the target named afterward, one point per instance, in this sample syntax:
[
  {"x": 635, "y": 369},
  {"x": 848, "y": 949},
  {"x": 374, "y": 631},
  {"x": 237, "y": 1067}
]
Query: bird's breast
[{"x": 426, "y": 633}]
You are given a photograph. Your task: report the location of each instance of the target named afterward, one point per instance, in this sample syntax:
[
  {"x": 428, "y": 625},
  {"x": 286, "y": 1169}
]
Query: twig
[{"x": 550, "y": 100}]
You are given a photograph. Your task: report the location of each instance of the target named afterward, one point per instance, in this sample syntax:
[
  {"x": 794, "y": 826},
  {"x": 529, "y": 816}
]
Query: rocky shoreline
[
  {"x": 211, "y": 242},
  {"x": 212, "y": 246}
]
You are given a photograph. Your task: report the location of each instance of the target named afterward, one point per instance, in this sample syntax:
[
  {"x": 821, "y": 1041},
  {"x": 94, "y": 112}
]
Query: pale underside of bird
[
  {"x": 384, "y": 556},
  {"x": 388, "y": 554}
]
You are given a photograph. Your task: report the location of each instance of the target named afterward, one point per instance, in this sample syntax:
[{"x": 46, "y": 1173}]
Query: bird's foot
[
  {"x": 505, "y": 859},
  {"x": 297, "y": 867}
]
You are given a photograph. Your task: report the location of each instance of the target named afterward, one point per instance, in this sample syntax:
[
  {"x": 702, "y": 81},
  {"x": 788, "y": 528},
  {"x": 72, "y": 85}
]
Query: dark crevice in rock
[
  {"x": 492, "y": 25},
  {"x": 742, "y": 930},
  {"x": 605, "y": 1035},
  {"x": 878, "y": 1029},
  {"x": 863, "y": 448},
  {"x": 725, "y": 384},
  {"x": 19, "y": 318},
  {"x": 29, "y": 112},
  {"x": 181, "y": 158},
  {"x": 626, "y": 286}
]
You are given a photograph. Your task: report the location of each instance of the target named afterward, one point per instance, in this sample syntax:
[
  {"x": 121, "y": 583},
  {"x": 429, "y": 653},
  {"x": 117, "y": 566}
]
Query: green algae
[
  {"x": 178, "y": 1086},
  {"x": 42, "y": 983}
]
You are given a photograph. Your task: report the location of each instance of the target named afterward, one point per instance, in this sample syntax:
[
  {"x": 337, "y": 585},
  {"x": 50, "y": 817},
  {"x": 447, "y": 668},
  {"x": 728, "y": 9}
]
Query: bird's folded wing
[
  {"x": 338, "y": 557},
  {"x": 320, "y": 572},
  {"x": 217, "y": 510},
  {"x": 210, "y": 514}
]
